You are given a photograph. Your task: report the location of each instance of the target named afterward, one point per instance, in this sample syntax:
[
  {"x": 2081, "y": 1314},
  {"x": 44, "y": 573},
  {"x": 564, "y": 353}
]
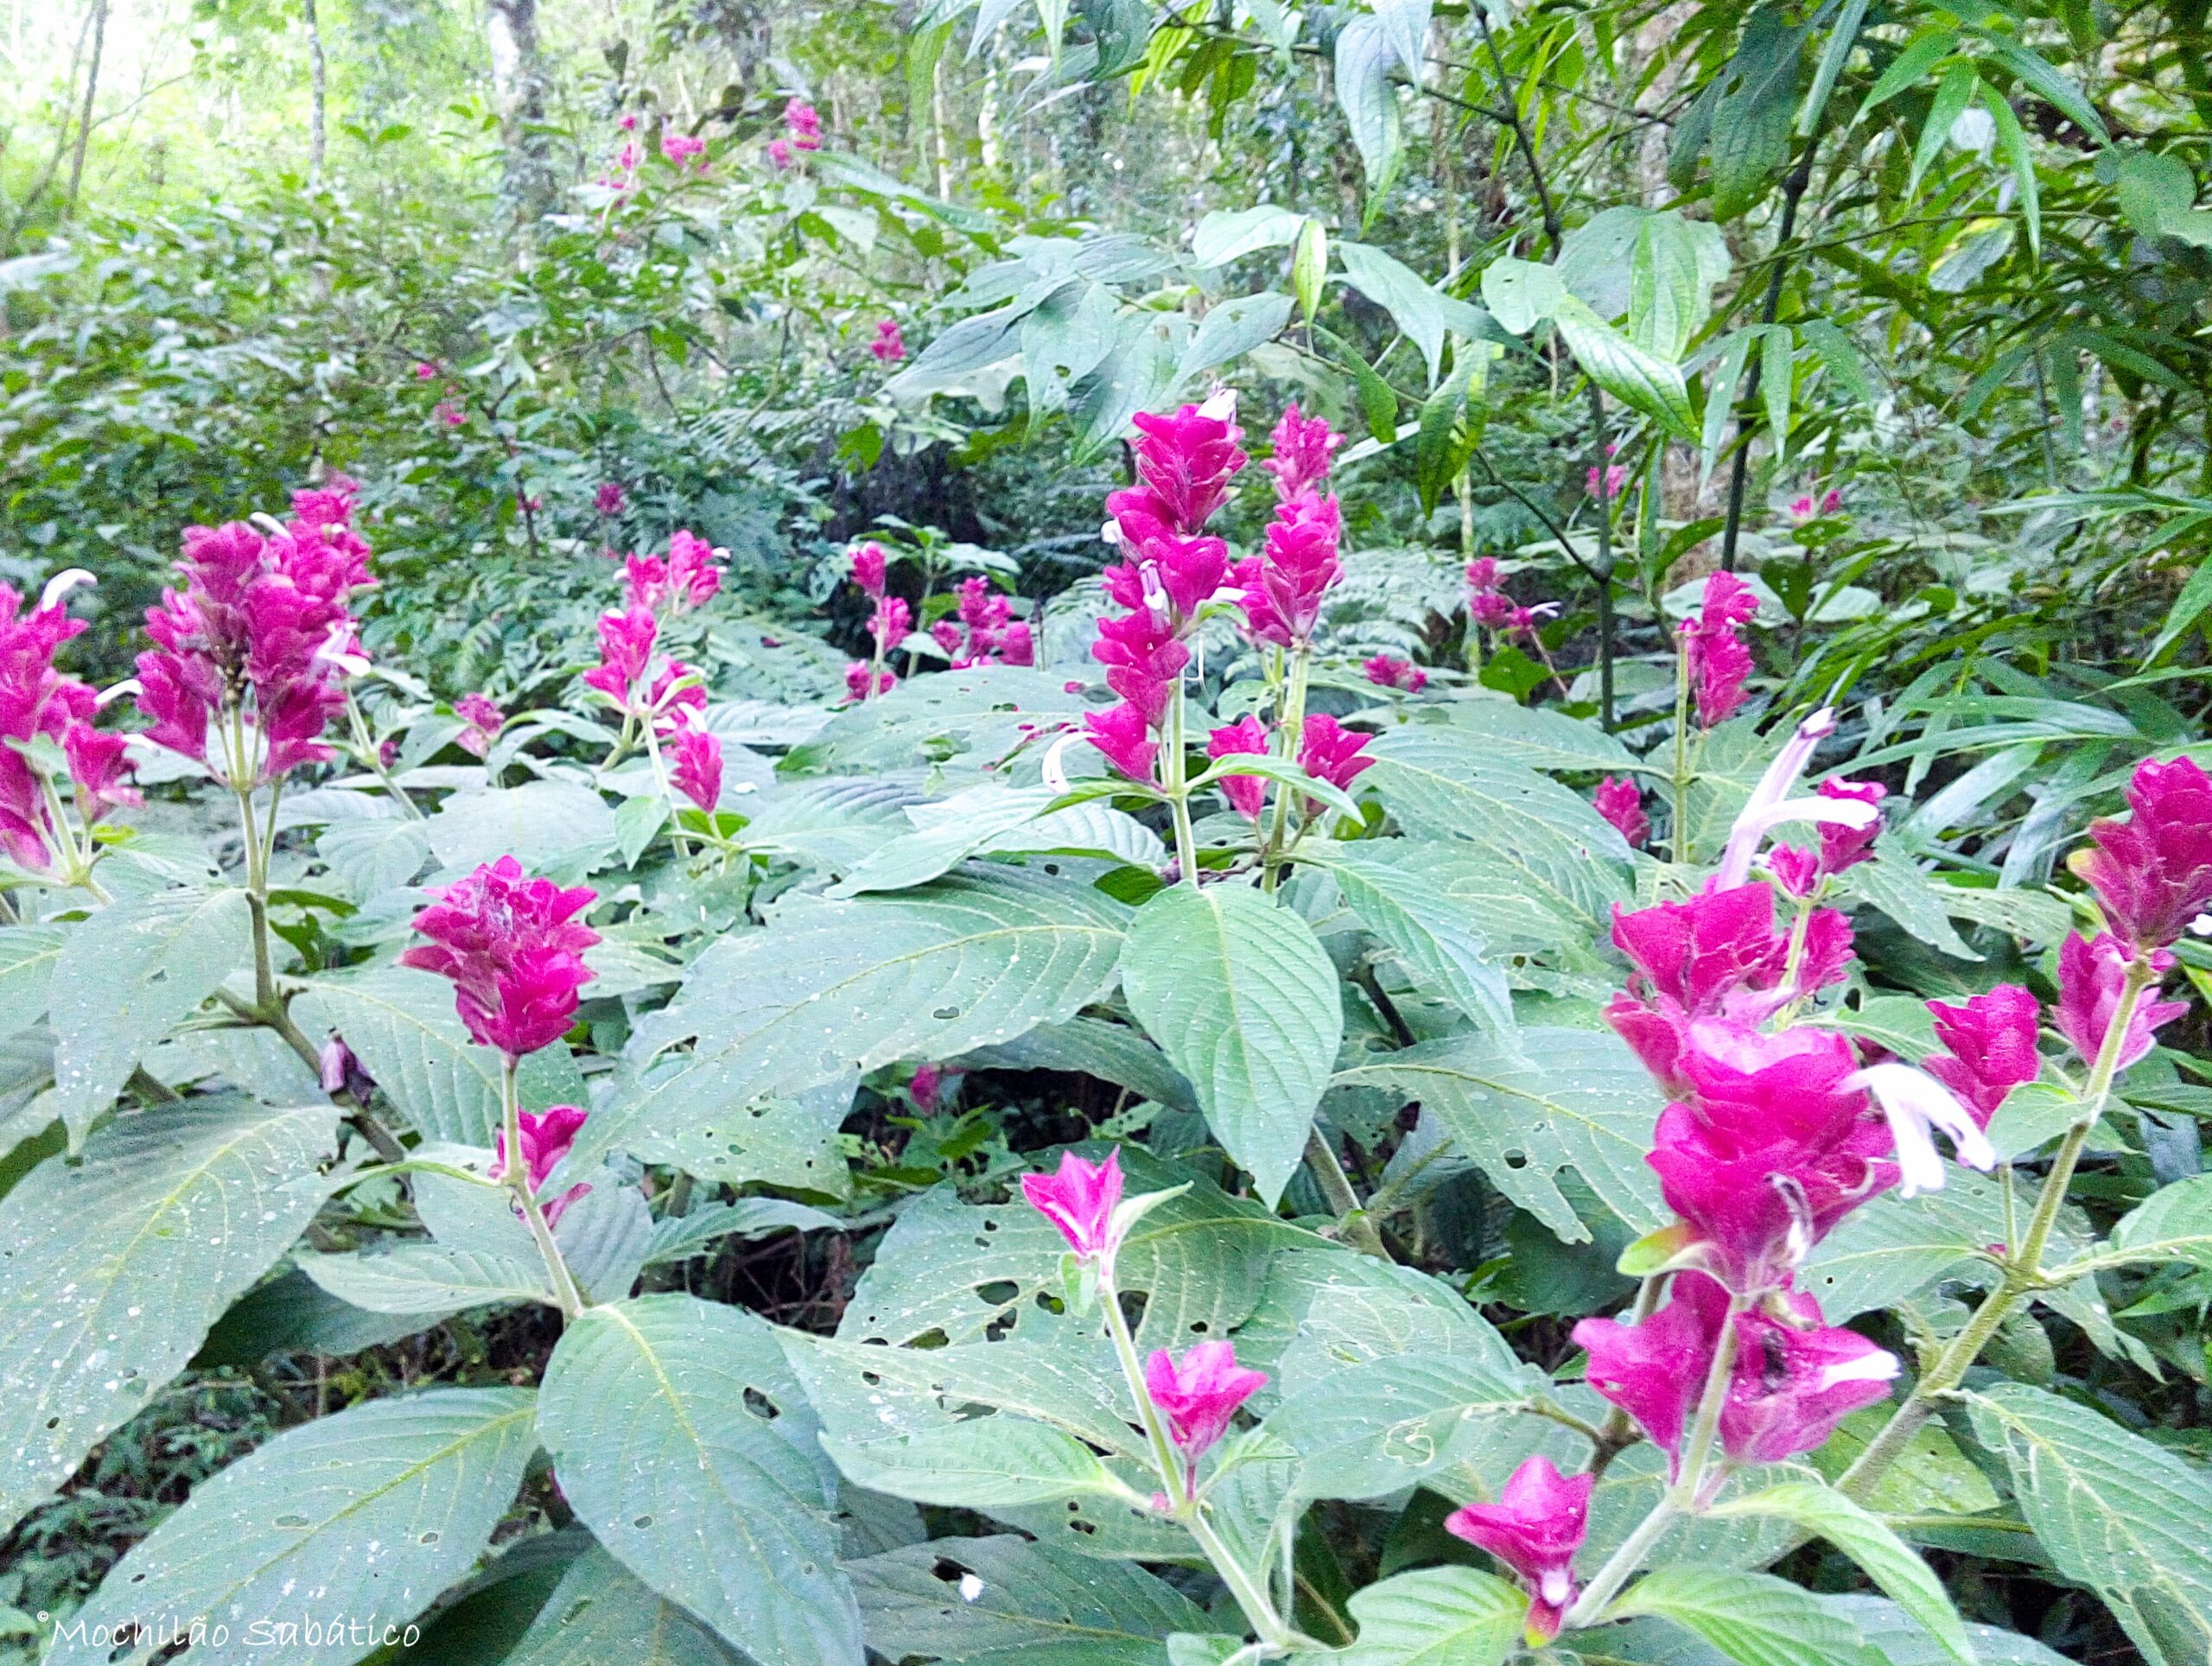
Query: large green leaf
[
  {"x": 1386, "y": 1425},
  {"x": 647, "y": 1412},
  {"x": 1244, "y": 1000},
  {"x": 544, "y": 825},
  {"x": 1363, "y": 94},
  {"x": 984, "y": 1463},
  {"x": 1435, "y": 1617},
  {"x": 1753, "y": 1619},
  {"x": 835, "y": 987},
  {"x": 1896, "y": 1247},
  {"x": 599, "y": 1613},
  {"x": 1572, "y": 1099},
  {"x": 1427, "y": 926},
  {"x": 125, "y": 978},
  {"x": 1900, "y": 1640},
  {"x": 832, "y": 825},
  {"x": 1443, "y": 783},
  {"x": 351, "y": 1524},
  {"x": 2122, "y": 1516},
  {"x": 401, "y": 1025},
  {"x": 1541, "y": 738},
  {"x": 963, "y": 718},
  {"x": 1005, "y": 1600},
  {"x": 425, "y": 1278},
  {"x": 1868, "y": 1541},
  {"x": 28, "y": 956},
  {"x": 112, "y": 1271},
  {"x": 969, "y": 1270},
  {"x": 1112, "y": 1052},
  {"x": 1637, "y": 378},
  {"x": 2173, "y": 1223}
]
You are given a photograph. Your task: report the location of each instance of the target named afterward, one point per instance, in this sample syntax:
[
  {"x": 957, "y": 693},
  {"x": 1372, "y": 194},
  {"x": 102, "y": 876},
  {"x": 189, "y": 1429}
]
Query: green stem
[
  {"x": 365, "y": 747},
  {"x": 667, "y": 796},
  {"x": 1678, "y": 839},
  {"x": 2024, "y": 1264},
  {"x": 1352, "y": 1218},
  {"x": 1290, "y": 724},
  {"x": 516, "y": 1176},
  {"x": 1175, "y": 775}
]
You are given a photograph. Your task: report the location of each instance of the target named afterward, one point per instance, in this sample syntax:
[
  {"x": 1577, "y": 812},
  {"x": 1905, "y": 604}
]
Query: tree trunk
[
  {"x": 519, "y": 95},
  {"x": 85, "y": 120},
  {"x": 317, "y": 123}
]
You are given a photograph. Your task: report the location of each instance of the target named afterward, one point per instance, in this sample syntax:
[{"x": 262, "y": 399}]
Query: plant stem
[
  {"x": 667, "y": 796},
  {"x": 1352, "y": 1217},
  {"x": 516, "y": 1176},
  {"x": 1290, "y": 724},
  {"x": 1601, "y": 467},
  {"x": 1678, "y": 838},
  {"x": 1174, "y": 771},
  {"x": 372, "y": 761},
  {"x": 1793, "y": 192},
  {"x": 2023, "y": 1266}
]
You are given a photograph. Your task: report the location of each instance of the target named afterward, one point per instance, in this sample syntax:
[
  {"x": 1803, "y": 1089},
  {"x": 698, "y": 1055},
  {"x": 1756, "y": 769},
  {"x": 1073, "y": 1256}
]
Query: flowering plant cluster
[{"x": 1163, "y": 1130}]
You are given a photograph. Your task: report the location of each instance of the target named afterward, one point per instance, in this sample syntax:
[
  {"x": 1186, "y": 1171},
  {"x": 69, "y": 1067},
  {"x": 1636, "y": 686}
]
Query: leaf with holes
[
  {"x": 598, "y": 1612},
  {"x": 1243, "y": 1000},
  {"x": 112, "y": 1271},
  {"x": 649, "y": 1412},
  {"x": 367, "y": 1515},
  {"x": 1435, "y": 1617},
  {"x": 1439, "y": 783},
  {"x": 1426, "y": 927},
  {"x": 1753, "y": 1619}
]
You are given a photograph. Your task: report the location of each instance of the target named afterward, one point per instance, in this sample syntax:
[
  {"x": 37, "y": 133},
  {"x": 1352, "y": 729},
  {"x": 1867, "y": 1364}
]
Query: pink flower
[
  {"x": 1199, "y": 1394},
  {"x": 1808, "y": 507},
  {"x": 2153, "y": 872},
  {"x": 1487, "y": 604},
  {"x": 1247, "y": 794},
  {"x": 99, "y": 769},
  {"x": 1697, "y": 953},
  {"x": 857, "y": 679},
  {"x": 947, "y": 635},
  {"x": 426, "y": 372},
  {"x": 803, "y": 123},
  {"x": 250, "y": 631},
  {"x": 889, "y": 346},
  {"x": 1389, "y": 672},
  {"x": 1831, "y": 501},
  {"x": 1143, "y": 661},
  {"x": 625, "y": 648},
  {"x": 1298, "y": 564},
  {"x": 1794, "y": 1380},
  {"x": 547, "y": 1137},
  {"x": 678, "y": 693},
  {"x": 869, "y": 566},
  {"x": 2090, "y": 976},
  {"x": 681, "y": 148},
  {"x": 1621, "y": 802},
  {"x": 1534, "y": 1528},
  {"x": 1615, "y": 477},
  {"x": 1992, "y": 1042},
  {"x": 448, "y": 414},
  {"x": 695, "y": 766},
  {"x": 514, "y": 951},
  {"x": 1329, "y": 752},
  {"x": 933, "y": 1086},
  {"x": 1720, "y": 665},
  {"x": 889, "y": 624},
  {"x": 1656, "y": 1371},
  {"x": 1122, "y": 733},
  {"x": 610, "y": 498},
  {"x": 1802, "y": 509},
  {"x": 340, "y": 1070},
  {"x": 1079, "y": 1200},
  {"x": 1016, "y": 646},
  {"x": 1185, "y": 465},
  {"x": 779, "y": 152},
  {"x": 36, "y": 701},
  {"x": 484, "y": 719},
  {"x": 690, "y": 577},
  {"x": 1303, "y": 446},
  {"x": 628, "y": 122}
]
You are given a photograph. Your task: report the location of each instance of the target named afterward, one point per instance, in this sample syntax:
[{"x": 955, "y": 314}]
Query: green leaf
[
  {"x": 1389, "y": 1423},
  {"x": 1867, "y": 1540},
  {"x": 1894, "y": 1247},
  {"x": 112, "y": 1271},
  {"x": 1922, "y": 53},
  {"x": 1440, "y": 783},
  {"x": 955, "y": 829},
  {"x": 2038, "y": 73},
  {"x": 365, "y": 1516},
  {"x": 369, "y": 856},
  {"x": 1244, "y": 1000},
  {"x": 637, "y": 824},
  {"x": 2015, "y": 143},
  {"x": 1399, "y": 290},
  {"x": 976, "y": 716},
  {"x": 1435, "y": 1617},
  {"x": 1425, "y": 927},
  {"x": 1638, "y": 378},
  {"x": 2173, "y": 1223},
  {"x": 125, "y": 978},
  {"x": 1752, "y": 118},
  {"x": 1521, "y": 293},
  {"x": 1031, "y": 1601},
  {"x": 1900, "y": 1641},
  {"x": 1753, "y": 1619},
  {"x": 985, "y": 1463},
  {"x": 1227, "y": 234},
  {"x": 1841, "y": 39},
  {"x": 647, "y": 1412},
  {"x": 1364, "y": 94},
  {"x": 1953, "y": 93},
  {"x": 1574, "y": 1099},
  {"x": 831, "y": 824},
  {"x": 1112, "y": 1052},
  {"x": 598, "y": 1612},
  {"x": 28, "y": 955},
  {"x": 2122, "y": 1516},
  {"x": 1232, "y": 329},
  {"x": 401, "y": 1025},
  {"x": 545, "y": 825},
  {"x": 1896, "y": 885}
]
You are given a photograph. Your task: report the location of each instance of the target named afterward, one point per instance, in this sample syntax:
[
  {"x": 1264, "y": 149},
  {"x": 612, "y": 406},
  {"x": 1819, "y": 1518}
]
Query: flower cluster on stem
[{"x": 42, "y": 710}]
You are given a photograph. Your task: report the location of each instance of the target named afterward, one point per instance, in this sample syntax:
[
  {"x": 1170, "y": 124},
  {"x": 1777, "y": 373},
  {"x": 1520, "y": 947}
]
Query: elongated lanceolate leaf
[
  {"x": 600, "y": 1612},
  {"x": 1436, "y": 1616}
]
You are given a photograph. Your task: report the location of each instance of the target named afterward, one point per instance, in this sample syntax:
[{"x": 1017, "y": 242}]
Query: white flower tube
[{"x": 1915, "y": 1103}]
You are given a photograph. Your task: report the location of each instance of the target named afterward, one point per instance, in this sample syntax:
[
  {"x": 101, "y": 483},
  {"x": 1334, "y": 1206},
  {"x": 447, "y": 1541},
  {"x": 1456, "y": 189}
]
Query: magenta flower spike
[
  {"x": 1303, "y": 447},
  {"x": 779, "y": 152},
  {"x": 682, "y": 149},
  {"x": 1329, "y": 752},
  {"x": 1200, "y": 1395},
  {"x": 547, "y": 1137},
  {"x": 514, "y": 950},
  {"x": 858, "y": 676},
  {"x": 1079, "y": 1200},
  {"x": 610, "y": 498},
  {"x": 889, "y": 345},
  {"x": 892, "y": 621},
  {"x": 2090, "y": 979},
  {"x": 695, "y": 764},
  {"x": 625, "y": 648},
  {"x": 1186, "y": 463},
  {"x": 870, "y": 566},
  {"x": 1298, "y": 564},
  {"x": 1538, "y": 1523},
  {"x": 1143, "y": 660},
  {"x": 1991, "y": 1042},
  {"x": 1620, "y": 801},
  {"x": 1656, "y": 1371},
  {"x": 1720, "y": 665},
  {"x": 99, "y": 769},
  {"x": 1121, "y": 733},
  {"x": 1387, "y": 670},
  {"x": 484, "y": 720},
  {"x": 1698, "y": 953},
  {"x": 1793, "y": 1381},
  {"x": 2152, "y": 873},
  {"x": 1247, "y": 794}
]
